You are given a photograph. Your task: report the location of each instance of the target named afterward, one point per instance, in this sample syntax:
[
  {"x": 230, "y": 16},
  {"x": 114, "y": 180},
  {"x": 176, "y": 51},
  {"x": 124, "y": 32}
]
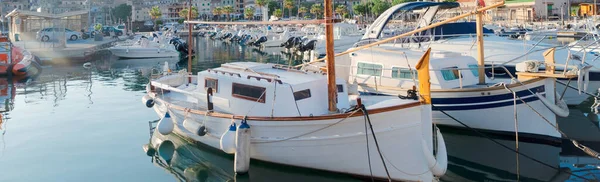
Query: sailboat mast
[
  {"x": 189, "y": 37},
  {"x": 331, "y": 86},
  {"x": 480, "y": 60}
]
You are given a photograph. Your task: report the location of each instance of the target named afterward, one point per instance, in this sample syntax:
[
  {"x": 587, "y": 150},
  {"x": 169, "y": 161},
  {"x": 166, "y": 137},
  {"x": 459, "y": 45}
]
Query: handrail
[{"x": 456, "y": 18}]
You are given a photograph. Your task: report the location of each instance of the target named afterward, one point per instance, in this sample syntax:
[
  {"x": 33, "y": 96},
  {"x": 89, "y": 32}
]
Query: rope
[
  {"x": 376, "y": 143},
  {"x": 516, "y": 128},
  {"x": 368, "y": 151},
  {"x": 307, "y": 133}
]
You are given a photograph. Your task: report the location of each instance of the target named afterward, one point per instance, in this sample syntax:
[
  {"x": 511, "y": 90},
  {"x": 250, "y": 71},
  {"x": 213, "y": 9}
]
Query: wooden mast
[
  {"x": 480, "y": 60},
  {"x": 331, "y": 86},
  {"x": 189, "y": 38}
]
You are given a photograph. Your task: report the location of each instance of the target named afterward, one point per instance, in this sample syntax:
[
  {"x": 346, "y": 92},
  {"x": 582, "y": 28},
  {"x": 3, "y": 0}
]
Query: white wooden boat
[{"x": 287, "y": 112}]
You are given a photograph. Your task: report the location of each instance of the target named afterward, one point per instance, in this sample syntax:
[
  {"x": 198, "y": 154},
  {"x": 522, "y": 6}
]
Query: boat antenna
[{"x": 331, "y": 85}]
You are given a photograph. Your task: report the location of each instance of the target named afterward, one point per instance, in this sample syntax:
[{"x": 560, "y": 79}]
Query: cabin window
[
  {"x": 211, "y": 83},
  {"x": 369, "y": 69},
  {"x": 450, "y": 73},
  {"x": 248, "y": 92},
  {"x": 303, "y": 94},
  {"x": 340, "y": 88},
  {"x": 474, "y": 69},
  {"x": 403, "y": 73}
]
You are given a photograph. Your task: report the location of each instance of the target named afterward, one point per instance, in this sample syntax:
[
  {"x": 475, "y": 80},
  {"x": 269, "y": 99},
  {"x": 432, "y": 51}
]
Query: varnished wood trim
[{"x": 297, "y": 118}]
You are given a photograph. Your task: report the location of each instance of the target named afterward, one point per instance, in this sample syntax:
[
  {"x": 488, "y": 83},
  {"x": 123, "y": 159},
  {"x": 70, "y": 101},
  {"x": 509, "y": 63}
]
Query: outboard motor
[
  {"x": 180, "y": 46},
  {"x": 260, "y": 41},
  {"x": 288, "y": 43},
  {"x": 308, "y": 46}
]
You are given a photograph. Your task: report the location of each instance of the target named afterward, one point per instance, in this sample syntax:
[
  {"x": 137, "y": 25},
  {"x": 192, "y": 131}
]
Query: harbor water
[{"x": 87, "y": 124}]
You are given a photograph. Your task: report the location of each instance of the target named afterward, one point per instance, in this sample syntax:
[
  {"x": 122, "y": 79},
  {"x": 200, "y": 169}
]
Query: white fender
[
  {"x": 227, "y": 141},
  {"x": 439, "y": 164},
  {"x": 560, "y": 108},
  {"x": 165, "y": 125},
  {"x": 242, "y": 148}
]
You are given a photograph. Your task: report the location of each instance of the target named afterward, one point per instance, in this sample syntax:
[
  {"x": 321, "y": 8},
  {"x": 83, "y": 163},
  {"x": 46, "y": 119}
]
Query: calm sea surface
[{"x": 78, "y": 124}]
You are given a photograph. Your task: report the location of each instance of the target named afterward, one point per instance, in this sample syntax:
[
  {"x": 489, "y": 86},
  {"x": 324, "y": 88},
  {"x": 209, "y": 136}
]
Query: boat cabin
[
  {"x": 268, "y": 90},
  {"x": 395, "y": 67}
]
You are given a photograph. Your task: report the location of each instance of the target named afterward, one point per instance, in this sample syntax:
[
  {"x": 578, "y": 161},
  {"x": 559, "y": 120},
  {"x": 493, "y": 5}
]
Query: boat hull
[
  {"x": 494, "y": 110},
  {"x": 143, "y": 52},
  {"x": 339, "y": 148}
]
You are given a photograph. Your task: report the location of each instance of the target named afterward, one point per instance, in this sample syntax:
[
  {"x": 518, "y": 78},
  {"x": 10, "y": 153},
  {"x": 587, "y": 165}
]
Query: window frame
[
  {"x": 215, "y": 90},
  {"x": 262, "y": 98},
  {"x": 455, "y": 72},
  {"x": 378, "y": 64},
  {"x": 303, "y": 96},
  {"x": 406, "y": 69}
]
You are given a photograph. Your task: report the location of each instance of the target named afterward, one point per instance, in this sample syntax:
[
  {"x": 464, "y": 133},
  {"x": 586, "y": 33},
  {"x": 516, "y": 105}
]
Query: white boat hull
[
  {"x": 143, "y": 52},
  {"x": 339, "y": 148},
  {"x": 494, "y": 110}
]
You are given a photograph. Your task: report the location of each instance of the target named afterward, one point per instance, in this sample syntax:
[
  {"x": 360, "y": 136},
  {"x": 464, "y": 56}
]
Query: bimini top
[{"x": 376, "y": 28}]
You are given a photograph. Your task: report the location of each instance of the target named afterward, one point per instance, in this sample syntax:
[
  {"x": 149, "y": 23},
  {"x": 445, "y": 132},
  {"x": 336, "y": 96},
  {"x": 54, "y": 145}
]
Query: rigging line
[
  {"x": 516, "y": 129},
  {"x": 304, "y": 134},
  {"x": 366, "y": 115},
  {"x": 567, "y": 85},
  {"x": 368, "y": 152},
  {"x": 504, "y": 146}
]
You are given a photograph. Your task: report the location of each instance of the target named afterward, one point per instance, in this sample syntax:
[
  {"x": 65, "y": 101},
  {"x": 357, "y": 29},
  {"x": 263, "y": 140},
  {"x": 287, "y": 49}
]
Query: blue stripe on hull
[
  {"x": 482, "y": 102},
  {"x": 480, "y": 99},
  {"x": 482, "y": 106}
]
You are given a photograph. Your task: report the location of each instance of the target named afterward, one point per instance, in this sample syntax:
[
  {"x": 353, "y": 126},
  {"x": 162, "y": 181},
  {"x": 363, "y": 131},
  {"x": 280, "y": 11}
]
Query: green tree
[
  {"x": 302, "y": 10},
  {"x": 396, "y": 2},
  {"x": 217, "y": 12},
  {"x": 450, "y": 1},
  {"x": 278, "y": 13},
  {"x": 261, "y": 4},
  {"x": 341, "y": 10},
  {"x": 289, "y": 4},
  {"x": 122, "y": 12},
  {"x": 316, "y": 10},
  {"x": 360, "y": 9},
  {"x": 273, "y": 6},
  {"x": 379, "y": 6},
  {"x": 184, "y": 13},
  {"x": 249, "y": 12},
  {"x": 155, "y": 14},
  {"x": 227, "y": 10}
]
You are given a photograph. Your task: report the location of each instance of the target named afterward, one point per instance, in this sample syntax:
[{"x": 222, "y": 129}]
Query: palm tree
[
  {"x": 317, "y": 10},
  {"x": 155, "y": 14},
  {"x": 261, "y": 4},
  {"x": 217, "y": 11},
  {"x": 249, "y": 13},
  {"x": 227, "y": 10},
  {"x": 289, "y": 4},
  {"x": 302, "y": 10},
  {"x": 341, "y": 10},
  {"x": 278, "y": 13},
  {"x": 184, "y": 13}
]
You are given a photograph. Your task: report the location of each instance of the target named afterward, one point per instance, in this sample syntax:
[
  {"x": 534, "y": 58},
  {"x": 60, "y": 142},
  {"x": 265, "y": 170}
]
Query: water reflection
[{"x": 187, "y": 161}]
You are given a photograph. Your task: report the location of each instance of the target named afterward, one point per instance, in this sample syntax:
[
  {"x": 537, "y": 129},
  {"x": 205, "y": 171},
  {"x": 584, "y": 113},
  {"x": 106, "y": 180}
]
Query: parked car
[
  {"x": 107, "y": 29},
  {"x": 121, "y": 28},
  {"x": 47, "y": 34}
]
